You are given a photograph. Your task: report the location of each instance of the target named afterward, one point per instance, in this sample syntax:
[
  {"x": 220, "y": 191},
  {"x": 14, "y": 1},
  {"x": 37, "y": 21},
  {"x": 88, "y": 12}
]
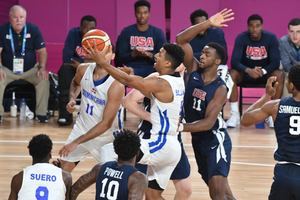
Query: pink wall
[{"x": 56, "y": 17}]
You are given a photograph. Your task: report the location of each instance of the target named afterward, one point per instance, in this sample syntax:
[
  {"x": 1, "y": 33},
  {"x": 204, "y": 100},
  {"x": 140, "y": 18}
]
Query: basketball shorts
[
  {"x": 212, "y": 153},
  {"x": 161, "y": 156},
  {"x": 101, "y": 148},
  {"x": 286, "y": 182}
]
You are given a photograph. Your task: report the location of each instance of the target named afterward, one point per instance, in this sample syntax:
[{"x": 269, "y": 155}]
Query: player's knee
[{"x": 183, "y": 192}]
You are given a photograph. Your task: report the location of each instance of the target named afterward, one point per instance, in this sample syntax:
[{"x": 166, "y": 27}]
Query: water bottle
[
  {"x": 23, "y": 109},
  {"x": 13, "y": 107}
]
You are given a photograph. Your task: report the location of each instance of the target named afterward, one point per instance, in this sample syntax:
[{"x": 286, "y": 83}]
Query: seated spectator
[
  {"x": 255, "y": 57},
  {"x": 19, "y": 44},
  {"x": 289, "y": 47},
  {"x": 71, "y": 60},
  {"x": 138, "y": 43},
  {"x": 212, "y": 34}
]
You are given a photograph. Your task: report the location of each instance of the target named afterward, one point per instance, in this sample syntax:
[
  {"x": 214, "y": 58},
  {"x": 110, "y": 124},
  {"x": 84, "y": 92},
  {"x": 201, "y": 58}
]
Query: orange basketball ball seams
[{"x": 95, "y": 37}]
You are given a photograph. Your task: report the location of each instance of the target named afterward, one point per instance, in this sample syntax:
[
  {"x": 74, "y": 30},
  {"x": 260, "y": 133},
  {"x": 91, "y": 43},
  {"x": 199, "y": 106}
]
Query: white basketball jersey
[
  {"x": 93, "y": 101},
  {"x": 165, "y": 116},
  {"x": 42, "y": 181}
]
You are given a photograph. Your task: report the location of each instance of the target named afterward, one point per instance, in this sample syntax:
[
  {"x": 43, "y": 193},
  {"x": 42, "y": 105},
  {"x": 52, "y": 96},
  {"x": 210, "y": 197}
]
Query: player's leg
[
  {"x": 234, "y": 119},
  {"x": 154, "y": 192},
  {"x": 181, "y": 179},
  {"x": 219, "y": 188},
  {"x": 218, "y": 165}
]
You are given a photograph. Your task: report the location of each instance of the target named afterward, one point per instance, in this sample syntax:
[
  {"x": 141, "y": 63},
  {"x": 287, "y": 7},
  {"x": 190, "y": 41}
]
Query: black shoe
[
  {"x": 42, "y": 118},
  {"x": 64, "y": 121}
]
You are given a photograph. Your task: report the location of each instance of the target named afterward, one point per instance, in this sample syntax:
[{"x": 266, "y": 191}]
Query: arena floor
[{"x": 250, "y": 176}]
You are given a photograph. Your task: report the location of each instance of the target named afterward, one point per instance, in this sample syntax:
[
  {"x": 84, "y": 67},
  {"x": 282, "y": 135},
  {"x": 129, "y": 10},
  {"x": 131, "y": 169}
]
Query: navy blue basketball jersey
[
  {"x": 112, "y": 181},
  {"x": 287, "y": 129},
  {"x": 196, "y": 99}
]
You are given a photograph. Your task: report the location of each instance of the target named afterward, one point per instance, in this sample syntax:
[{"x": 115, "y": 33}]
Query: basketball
[{"x": 97, "y": 38}]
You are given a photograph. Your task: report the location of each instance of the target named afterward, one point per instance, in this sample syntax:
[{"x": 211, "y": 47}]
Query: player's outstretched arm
[
  {"x": 146, "y": 86},
  {"x": 15, "y": 186},
  {"x": 214, "y": 108},
  {"x": 263, "y": 107},
  {"x": 68, "y": 183},
  {"x": 137, "y": 185},
  {"x": 183, "y": 38},
  {"x": 115, "y": 96},
  {"x": 75, "y": 87},
  {"x": 85, "y": 181}
]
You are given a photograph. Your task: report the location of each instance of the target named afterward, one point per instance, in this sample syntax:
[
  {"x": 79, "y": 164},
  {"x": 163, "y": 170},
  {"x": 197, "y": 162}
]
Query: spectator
[
  {"x": 71, "y": 60},
  {"x": 255, "y": 57},
  {"x": 138, "y": 43},
  {"x": 212, "y": 34},
  {"x": 19, "y": 44},
  {"x": 289, "y": 46}
]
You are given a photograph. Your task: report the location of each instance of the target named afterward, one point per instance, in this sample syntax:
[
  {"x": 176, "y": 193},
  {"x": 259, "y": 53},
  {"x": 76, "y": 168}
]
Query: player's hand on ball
[
  {"x": 71, "y": 106},
  {"x": 98, "y": 56}
]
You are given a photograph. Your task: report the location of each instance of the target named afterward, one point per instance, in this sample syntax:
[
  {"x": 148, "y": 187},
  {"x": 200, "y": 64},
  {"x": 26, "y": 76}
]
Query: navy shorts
[
  {"x": 212, "y": 153},
  {"x": 286, "y": 184}
]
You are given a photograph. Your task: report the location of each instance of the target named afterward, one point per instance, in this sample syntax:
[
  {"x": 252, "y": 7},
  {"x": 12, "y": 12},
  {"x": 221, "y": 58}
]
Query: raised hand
[
  {"x": 99, "y": 57},
  {"x": 220, "y": 19},
  {"x": 271, "y": 86}
]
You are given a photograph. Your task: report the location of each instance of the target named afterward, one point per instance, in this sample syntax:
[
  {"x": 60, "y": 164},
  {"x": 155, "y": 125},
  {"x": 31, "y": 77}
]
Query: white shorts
[
  {"x": 101, "y": 148},
  {"x": 161, "y": 161}
]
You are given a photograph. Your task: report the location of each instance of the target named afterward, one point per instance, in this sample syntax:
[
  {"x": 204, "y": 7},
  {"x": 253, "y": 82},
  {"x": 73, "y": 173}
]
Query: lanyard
[{"x": 12, "y": 44}]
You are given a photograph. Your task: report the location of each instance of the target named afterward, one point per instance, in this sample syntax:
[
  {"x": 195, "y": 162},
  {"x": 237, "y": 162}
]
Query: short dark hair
[
  {"x": 294, "y": 22},
  {"x": 88, "y": 18},
  {"x": 40, "y": 146},
  {"x": 255, "y": 17},
  {"x": 174, "y": 54},
  {"x": 294, "y": 76},
  {"x": 140, "y": 3},
  {"x": 198, "y": 13},
  {"x": 126, "y": 144},
  {"x": 221, "y": 53}
]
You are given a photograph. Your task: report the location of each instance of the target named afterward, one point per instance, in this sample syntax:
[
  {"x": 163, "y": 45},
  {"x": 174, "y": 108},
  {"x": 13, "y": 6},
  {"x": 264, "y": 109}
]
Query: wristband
[{"x": 180, "y": 127}]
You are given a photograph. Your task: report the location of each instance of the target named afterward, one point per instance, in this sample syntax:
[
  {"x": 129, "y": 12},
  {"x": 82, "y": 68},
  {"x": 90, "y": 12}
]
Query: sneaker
[
  {"x": 64, "y": 121},
  {"x": 233, "y": 121},
  {"x": 42, "y": 118},
  {"x": 269, "y": 122}
]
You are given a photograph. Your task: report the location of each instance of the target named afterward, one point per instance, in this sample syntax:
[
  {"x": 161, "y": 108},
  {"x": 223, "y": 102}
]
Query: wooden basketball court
[{"x": 250, "y": 176}]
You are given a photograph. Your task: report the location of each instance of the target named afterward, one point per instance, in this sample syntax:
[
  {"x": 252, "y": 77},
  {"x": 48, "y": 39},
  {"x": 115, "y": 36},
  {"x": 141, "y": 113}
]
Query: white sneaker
[
  {"x": 233, "y": 121},
  {"x": 269, "y": 122}
]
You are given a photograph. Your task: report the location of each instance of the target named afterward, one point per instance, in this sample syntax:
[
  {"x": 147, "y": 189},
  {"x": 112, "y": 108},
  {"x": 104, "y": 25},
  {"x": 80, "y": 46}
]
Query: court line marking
[
  {"x": 187, "y": 145},
  {"x": 190, "y": 159}
]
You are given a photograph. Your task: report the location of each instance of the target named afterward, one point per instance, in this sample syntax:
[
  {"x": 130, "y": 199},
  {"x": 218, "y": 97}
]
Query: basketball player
[
  {"x": 286, "y": 116},
  {"x": 100, "y": 104},
  {"x": 116, "y": 179},
  {"x": 181, "y": 173},
  {"x": 203, "y": 103},
  {"x": 41, "y": 180},
  {"x": 162, "y": 151}
]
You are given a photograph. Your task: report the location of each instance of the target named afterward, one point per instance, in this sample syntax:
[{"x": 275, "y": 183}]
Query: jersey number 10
[{"x": 109, "y": 190}]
